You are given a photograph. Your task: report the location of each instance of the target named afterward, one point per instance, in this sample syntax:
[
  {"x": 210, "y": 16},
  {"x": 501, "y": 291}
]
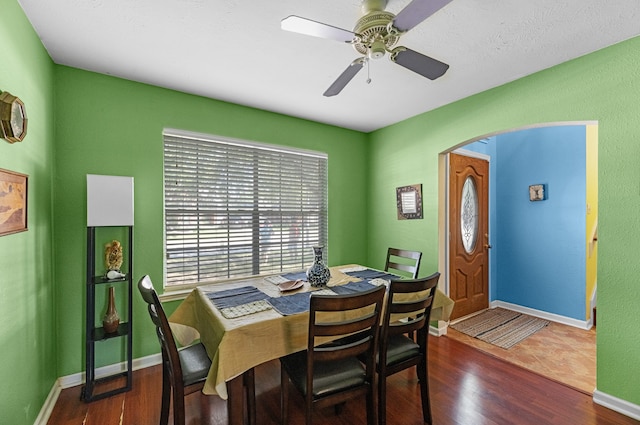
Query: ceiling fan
[{"x": 375, "y": 34}]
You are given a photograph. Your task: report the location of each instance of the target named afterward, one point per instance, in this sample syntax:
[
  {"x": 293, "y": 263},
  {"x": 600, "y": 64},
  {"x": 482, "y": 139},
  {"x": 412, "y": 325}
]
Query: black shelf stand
[{"x": 96, "y": 335}]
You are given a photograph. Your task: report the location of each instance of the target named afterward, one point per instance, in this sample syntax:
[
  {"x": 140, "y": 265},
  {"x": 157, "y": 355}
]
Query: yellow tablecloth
[{"x": 237, "y": 345}]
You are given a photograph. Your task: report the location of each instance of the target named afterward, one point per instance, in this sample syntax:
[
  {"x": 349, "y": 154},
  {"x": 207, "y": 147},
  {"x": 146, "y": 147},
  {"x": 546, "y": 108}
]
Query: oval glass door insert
[{"x": 469, "y": 215}]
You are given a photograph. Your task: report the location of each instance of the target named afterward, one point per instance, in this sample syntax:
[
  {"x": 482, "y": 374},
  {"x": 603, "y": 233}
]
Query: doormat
[{"x": 504, "y": 328}]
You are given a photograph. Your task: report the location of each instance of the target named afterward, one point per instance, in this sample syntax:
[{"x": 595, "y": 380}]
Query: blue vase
[{"x": 318, "y": 274}]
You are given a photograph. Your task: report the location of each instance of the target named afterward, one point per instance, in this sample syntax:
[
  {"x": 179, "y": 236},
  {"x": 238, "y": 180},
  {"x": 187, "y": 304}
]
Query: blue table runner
[{"x": 299, "y": 303}]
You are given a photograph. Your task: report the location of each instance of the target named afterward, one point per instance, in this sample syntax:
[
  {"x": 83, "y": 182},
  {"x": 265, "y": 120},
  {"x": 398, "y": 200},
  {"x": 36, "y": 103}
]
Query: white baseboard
[
  {"x": 49, "y": 403},
  {"x": 616, "y": 404},
  {"x": 439, "y": 330},
  {"x": 79, "y": 379},
  {"x": 442, "y": 327},
  {"x": 582, "y": 324}
]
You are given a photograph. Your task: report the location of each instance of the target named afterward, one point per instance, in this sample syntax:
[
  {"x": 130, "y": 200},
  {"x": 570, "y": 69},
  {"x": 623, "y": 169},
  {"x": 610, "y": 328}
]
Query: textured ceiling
[{"x": 234, "y": 50}]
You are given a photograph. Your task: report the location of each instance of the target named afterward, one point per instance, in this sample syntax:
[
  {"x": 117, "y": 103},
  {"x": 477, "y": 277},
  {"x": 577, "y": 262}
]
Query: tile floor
[{"x": 563, "y": 353}]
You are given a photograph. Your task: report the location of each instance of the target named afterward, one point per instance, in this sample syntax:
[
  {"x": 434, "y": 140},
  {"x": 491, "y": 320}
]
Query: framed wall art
[
  {"x": 537, "y": 192},
  {"x": 13, "y": 118},
  {"x": 13, "y": 202},
  {"x": 409, "y": 202}
]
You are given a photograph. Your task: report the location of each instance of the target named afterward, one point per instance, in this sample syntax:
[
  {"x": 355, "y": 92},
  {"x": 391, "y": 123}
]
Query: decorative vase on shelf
[
  {"x": 318, "y": 274},
  {"x": 111, "y": 318}
]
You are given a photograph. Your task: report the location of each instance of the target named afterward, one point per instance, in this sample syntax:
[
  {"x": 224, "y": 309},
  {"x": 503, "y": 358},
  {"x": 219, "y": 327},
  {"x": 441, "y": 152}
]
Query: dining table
[{"x": 250, "y": 321}]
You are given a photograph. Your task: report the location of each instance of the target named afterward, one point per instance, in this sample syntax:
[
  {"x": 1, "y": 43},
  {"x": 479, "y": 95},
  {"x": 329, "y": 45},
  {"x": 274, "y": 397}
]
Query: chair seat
[
  {"x": 195, "y": 363},
  {"x": 329, "y": 377},
  {"x": 401, "y": 348}
]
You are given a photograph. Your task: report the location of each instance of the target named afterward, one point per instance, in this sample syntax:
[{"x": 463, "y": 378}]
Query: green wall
[
  {"x": 106, "y": 125},
  {"x": 603, "y": 86},
  {"x": 27, "y": 294}
]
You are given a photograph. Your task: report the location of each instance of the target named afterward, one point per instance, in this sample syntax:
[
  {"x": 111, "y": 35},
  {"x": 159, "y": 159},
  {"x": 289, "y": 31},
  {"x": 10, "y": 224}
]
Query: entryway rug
[{"x": 504, "y": 328}]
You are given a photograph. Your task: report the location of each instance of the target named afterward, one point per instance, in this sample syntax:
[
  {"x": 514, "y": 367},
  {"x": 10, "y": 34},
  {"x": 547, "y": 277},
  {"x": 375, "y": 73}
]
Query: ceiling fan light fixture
[
  {"x": 373, "y": 5},
  {"x": 377, "y": 50}
]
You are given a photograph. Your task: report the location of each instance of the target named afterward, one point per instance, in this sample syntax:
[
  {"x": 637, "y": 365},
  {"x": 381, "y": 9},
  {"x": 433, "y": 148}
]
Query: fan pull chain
[{"x": 368, "y": 71}]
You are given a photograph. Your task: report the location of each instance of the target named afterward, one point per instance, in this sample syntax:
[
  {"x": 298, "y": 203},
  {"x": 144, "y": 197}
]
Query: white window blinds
[{"x": 236, "y": 209}]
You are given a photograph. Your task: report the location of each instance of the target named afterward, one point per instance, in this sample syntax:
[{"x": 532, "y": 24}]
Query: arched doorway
[
  {"x": 537, "y": 237},
  {"x": 583, "y": 160}
]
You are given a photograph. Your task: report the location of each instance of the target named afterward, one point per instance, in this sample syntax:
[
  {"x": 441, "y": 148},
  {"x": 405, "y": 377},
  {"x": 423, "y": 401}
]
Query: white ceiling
[{"x": 234, "y": 50}]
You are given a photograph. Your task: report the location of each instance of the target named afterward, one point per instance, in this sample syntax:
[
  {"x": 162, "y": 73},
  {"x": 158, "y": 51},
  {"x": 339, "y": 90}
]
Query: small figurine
[
  {"x": 113, "y": 258},
  {"x": 114, "y": 274}
]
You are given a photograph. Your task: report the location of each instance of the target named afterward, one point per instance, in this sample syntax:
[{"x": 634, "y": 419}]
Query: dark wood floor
[{"x": 468, "y": 387}]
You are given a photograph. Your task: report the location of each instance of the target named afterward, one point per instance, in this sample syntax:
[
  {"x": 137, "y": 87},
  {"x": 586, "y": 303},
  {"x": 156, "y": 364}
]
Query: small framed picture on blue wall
[{"x": 537, "y": 192}]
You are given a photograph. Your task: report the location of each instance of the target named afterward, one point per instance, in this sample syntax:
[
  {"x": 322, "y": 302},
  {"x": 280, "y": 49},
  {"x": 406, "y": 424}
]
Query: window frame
[{"x": 256, "y": 148}]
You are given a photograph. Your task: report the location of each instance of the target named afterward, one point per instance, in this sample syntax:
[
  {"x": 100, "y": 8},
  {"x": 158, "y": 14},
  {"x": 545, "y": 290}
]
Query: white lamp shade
[{"x": 109, "y": 200}]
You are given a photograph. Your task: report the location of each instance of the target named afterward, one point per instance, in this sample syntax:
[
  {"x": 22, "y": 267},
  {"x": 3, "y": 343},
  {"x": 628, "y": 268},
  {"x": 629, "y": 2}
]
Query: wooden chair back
[
  {"x": 411, "y": 299},
  {"x": 403, "y": 260},
  {"x": 362, "y": 313},
  {"x": 170, "y": 357}
]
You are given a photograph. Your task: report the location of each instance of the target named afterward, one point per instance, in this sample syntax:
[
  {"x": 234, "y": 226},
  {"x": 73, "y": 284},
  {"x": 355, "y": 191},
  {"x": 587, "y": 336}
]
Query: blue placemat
[
  {"x": 236, "y": 296},
  {"x": 291, "y": 304},
  {"x": 352, "y": 287},
  {"x": 373, "y": 274}
]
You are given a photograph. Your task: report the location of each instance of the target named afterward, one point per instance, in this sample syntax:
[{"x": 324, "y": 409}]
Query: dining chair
[
  {"x": 184, "y": 370},
  {"x": 408, "y": 309},
  {"x": 403, "y": 260},
  {"x": 329, "y": 373}
]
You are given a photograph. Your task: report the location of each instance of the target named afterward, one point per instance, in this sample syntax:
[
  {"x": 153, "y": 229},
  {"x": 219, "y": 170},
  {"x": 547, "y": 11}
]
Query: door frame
[{"x": 445, "y": 214}]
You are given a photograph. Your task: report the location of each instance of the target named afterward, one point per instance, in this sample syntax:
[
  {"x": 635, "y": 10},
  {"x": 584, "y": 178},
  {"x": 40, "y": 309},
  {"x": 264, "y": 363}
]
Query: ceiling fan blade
[
  {"x": 344, "y": 78},
  {"x": 416, "y": 12},
  {"x": 316, "y": 29},
  {"x": 419, "y": 63}
]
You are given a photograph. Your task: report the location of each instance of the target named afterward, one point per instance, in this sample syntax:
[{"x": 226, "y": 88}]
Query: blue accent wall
[{"x": 538, "y": 255}]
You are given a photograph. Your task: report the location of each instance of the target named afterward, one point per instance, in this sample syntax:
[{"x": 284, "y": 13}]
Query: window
[
  {"x": 236, "y": 209},
  {"x": 469, "y": 215}
]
